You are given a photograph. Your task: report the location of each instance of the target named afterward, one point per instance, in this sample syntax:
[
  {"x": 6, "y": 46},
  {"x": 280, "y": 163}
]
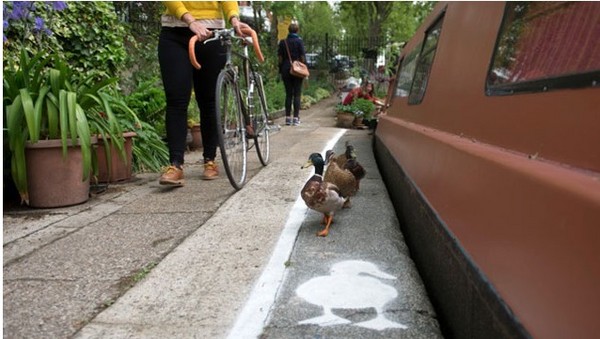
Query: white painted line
[{"x": 255, "y": 314}]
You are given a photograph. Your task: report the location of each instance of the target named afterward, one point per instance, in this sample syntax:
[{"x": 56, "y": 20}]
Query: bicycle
[{"x": 241, "y": 108}]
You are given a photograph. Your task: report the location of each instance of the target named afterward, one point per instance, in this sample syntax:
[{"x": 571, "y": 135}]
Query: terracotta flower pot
[
  {"x": 196, "y": 137},
  {"x": 53, "y": 180},
  {"x": 345, "y": 119},
  {"x": 359, "y": 123},
  {"x": 119, "y": 170}
]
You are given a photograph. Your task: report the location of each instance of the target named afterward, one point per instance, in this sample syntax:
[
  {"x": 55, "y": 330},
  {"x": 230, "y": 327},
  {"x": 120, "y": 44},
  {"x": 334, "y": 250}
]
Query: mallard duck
[
  {"x": 330, "y": 157},
  {"x": 320, "y": 195},
  {"x": 353, "y": 165},
  {"x": 341, "y": 159},
  {"x": 342, "y": 178},
  {"x": 347, "y": 161}
]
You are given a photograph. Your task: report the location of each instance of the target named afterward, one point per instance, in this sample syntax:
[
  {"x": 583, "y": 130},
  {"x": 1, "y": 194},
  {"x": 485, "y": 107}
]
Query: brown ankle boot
[
  {"x": 172, "y": 176},
  {"x": 211, "y": 171}
]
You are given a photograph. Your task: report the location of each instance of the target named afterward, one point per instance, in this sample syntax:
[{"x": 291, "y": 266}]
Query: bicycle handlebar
[{"x": 245, "y": 30}]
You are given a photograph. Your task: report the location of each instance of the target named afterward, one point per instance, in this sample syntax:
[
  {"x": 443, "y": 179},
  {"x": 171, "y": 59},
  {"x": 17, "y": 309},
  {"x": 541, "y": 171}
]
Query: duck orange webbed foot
[
  {"x": 325, "y": 231},
  {"x": 324, "y": 221}
]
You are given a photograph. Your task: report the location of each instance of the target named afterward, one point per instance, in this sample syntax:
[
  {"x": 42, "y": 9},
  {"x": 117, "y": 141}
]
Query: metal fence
[
  {"x": 338, "y": 58},
  {"x": 142, "y": 16},
  {"x": 342, "y": 58}
]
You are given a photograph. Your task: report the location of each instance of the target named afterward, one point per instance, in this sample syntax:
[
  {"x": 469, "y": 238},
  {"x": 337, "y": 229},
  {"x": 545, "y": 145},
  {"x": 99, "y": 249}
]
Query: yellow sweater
[{"x": 202, "y": 10}]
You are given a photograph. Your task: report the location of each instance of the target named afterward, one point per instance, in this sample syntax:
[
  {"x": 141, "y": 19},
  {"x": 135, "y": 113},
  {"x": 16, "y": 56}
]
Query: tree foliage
[
  {"x": 318, "y": 19},
  {"x": 365, "y": 19},
  {"x": 395, "y": 20}
]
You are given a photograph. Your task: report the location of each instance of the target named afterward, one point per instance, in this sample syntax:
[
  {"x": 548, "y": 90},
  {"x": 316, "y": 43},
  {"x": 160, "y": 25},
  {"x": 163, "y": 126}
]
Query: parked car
[
  {"x": 311, "y": 60},
  {"x": 340, "y": 63}
]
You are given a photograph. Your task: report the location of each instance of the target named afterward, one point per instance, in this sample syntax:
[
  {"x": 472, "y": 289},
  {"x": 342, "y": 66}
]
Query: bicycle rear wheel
[
  {"x": 232, "y": 139},
  {"x": 260, "y": 121}
]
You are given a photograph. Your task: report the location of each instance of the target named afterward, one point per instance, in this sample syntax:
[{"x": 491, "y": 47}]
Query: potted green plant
[
  {"x": 363, "y": 110},
  {"x": 46, "y": 103},
  {"x": 195, "y": 140},
  {"x": 194, "y": 137},
  {"x": 345, "y": 115},
  {"x": 114, "y": 124},
  {"x": 149, "y": 150}
]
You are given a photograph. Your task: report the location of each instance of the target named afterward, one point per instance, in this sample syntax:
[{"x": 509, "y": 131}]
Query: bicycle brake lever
[{"x": 215, "y": 37}]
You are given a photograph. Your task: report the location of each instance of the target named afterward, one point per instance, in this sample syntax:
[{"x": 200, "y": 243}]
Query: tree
[
  {"x": 380, "y": 22},
  {"x": 406, "y": 18},
  {"x": 280, "y": 10},
  {"x": 318, "y": 19},
  {"x": 396, "y": 20},
  {"x": 365, "y": 20}
]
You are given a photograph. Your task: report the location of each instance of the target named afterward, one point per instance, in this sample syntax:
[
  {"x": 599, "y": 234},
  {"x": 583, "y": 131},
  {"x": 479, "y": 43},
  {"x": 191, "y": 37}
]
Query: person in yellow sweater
[{"x": 180, "y": 21}]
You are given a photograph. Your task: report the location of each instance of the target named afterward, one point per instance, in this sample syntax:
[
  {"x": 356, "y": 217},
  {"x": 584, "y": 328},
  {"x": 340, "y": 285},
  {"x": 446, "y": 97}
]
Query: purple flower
[
  {"x": 25, "y": 11},
  {"x": 38, "y": 24},
  {"x": 40, "y": 27},
  {"x": 59, "y": 5},
  {"x": 4, "y": 23},
  {"x": 21, "y": 10}
]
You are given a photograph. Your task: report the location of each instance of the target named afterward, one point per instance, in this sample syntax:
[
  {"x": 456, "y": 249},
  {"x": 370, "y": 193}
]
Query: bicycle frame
[
  {"x": 226, "y": 37},
  {"x": 241, "y": 83}
]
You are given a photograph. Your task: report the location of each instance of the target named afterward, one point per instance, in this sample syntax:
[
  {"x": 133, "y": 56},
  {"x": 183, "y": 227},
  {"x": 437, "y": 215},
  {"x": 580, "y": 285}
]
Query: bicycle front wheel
[
  {"x": 232, "y": 139},
  {"x": 260, "y": 121}
]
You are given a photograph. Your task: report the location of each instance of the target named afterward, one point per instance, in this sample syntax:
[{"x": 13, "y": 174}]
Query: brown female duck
[
  {"x": 347, "y": 161},
  {"x": 342, "y": 178}
]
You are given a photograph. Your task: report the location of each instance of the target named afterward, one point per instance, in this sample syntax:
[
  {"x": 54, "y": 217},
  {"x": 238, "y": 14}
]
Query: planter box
[{"x": 119, "y": 170}]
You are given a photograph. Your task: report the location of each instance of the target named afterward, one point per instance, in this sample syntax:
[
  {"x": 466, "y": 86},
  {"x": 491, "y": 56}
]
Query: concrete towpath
[{"x": 204, "y": 261}]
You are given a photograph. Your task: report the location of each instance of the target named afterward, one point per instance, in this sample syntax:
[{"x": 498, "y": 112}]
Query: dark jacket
[{"x": 297, "y": 51}]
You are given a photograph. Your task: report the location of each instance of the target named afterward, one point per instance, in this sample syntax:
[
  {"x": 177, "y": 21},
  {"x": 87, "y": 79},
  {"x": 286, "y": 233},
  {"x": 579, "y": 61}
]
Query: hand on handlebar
[
  {"x": 244, "y": 30},
  {"x": 239, "y": 26},
  {"x": 200, "y": 30}
]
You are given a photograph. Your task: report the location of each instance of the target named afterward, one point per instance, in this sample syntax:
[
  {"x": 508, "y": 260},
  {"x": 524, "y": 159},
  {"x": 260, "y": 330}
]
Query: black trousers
[
  {"x": 293, "y": 92},
  {"x": 179, "y": 76}
]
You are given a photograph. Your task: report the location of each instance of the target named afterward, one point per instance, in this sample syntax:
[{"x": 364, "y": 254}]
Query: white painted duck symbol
[{"x": 347, "y": 288}]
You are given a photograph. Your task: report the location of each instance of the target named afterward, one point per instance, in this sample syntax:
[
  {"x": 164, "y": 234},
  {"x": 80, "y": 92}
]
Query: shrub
[
  {"x": 306, "y": 101},
  {"x": 275, "y": 93},
  {"x": 84, "y": 34},
  {"x": 149, "y": 102},
  {"x": 321, "y": 93}
]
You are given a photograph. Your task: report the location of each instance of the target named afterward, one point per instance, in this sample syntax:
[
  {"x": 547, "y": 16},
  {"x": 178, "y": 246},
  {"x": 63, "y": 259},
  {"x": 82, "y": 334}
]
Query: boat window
[
  {"x": 546, "y": 45},
  {"x": 407, "y": 72},
  {"x": 424, "y": 62}
]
